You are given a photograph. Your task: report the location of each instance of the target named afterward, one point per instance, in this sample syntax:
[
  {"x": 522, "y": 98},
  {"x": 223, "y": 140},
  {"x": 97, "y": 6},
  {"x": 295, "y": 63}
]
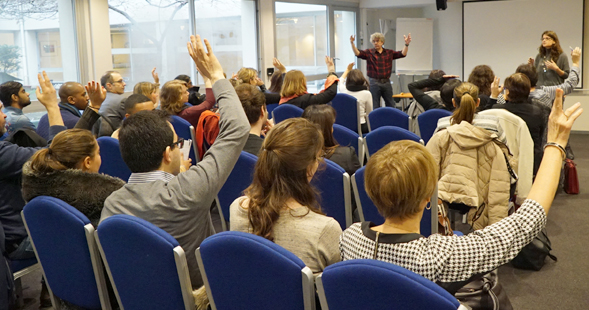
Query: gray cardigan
[
  {"x": 181, "y": 206},
  {"x": 550, "y": 77}
]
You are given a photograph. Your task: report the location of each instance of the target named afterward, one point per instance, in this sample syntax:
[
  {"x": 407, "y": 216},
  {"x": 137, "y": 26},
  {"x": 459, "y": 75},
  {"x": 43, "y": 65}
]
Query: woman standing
[{"x": 551, "y": 63}]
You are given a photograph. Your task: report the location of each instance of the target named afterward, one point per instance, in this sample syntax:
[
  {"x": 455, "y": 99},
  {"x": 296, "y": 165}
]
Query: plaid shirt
[
  {"x": 379, "y": 65},
  {"x": 444, "y": 258}
]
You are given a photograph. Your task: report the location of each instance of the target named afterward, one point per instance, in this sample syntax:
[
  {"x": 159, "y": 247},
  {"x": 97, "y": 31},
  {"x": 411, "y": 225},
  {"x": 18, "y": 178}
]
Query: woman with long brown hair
[
  {"x": 174, "y": 98},
  {"x": 551, "y": 63},
  {"x": 281, "y": 205}
]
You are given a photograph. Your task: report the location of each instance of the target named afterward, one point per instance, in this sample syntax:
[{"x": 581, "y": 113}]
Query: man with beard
[{"x": 15, "y": 98}]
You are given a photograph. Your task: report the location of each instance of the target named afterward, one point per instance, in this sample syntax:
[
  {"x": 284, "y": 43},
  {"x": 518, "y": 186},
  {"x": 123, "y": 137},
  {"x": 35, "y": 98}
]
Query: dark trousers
[{"x": 381, "y": 88}]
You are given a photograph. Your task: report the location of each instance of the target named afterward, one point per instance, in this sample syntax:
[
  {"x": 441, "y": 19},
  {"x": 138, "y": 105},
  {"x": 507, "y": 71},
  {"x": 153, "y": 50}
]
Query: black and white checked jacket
[{"x": 449, "y": 258}]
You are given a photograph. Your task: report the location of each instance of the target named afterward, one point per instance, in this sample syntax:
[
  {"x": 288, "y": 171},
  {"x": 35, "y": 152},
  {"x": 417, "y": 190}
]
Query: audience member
[
  {"x": 294, "y": 88},
  {"x": 482, "y": 76},
  {"x": 194, "y": 97},
  {"x": 174, "y": 96},
  {"x": 254, "y": 105},
  {"x": 250, "y": 76},
  {"x": 134, "y": 104},
  {"x": 14, "y": 98},
  {"x": 176, "y": 202},
  {"x": 429, "y": 100},
  {"x": 323, "y": 115},
  {"x": 355, "y": 84},
  {"x": 73, "y": 99},
  {"x": 277, "y": 77},
  {"x": 552, "y": 64},
  {"x": 280, "y": 204},
  {"x": 112, "y": 110},
  {"x": 148, "y": 89}
]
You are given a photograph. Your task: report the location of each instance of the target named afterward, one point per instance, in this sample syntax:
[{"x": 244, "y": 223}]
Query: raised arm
[
  {"x": 427, "y": 102},
  {"x": 97, "y": 95},
  {"x": 354, "y": 48},
  {"x": 407, "y": 39},
  {"x": 571, "y": 81}
]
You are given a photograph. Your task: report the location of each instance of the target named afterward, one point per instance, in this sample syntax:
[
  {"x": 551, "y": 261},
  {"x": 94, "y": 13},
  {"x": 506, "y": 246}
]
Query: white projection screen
[{"x": 504, "y": 34}]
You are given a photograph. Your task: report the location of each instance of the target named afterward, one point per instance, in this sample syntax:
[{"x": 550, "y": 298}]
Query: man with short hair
[
  {"x": 112, "y": 110},
  {"x": 179, "y": 203},
  {"x": 134, "y": 104},
  {"x": 379, "y": 66},
  {"x": 15, "y": 98},
  {"x": 73, "y": 99},
  {"x": 254, "y": 105}
]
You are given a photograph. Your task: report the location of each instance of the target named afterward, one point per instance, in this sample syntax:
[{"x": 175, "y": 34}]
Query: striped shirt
[{"x": 146, "y": 177}]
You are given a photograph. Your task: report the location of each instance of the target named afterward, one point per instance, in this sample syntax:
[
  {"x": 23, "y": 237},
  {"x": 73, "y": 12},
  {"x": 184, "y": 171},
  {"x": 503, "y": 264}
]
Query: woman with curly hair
[
  {"x": 482, "y": 76},
  {"x": 551, "y": 62}
]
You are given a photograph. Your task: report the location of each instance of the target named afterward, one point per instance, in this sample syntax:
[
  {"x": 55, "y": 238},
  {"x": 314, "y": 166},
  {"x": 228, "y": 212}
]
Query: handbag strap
[
  {"x": 376, "y": 245},
  {"x": 488, "y": 287}
]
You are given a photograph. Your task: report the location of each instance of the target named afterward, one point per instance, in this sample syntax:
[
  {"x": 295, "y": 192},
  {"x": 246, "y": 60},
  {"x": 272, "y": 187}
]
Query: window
[{"x": 345, "y": 26}]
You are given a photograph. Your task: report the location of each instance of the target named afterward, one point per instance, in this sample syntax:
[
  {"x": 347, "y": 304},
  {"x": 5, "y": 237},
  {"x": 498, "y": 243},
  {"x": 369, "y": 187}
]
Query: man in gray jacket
[
  {"x": 112, "y": 109},
  {"x": 176, "y": 202}
]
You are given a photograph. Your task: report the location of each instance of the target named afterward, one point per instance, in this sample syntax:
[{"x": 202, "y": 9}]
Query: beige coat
[{"x": 473, "y": 171}]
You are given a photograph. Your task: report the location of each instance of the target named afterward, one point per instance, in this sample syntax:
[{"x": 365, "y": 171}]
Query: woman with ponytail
[
  {"x": 68, "y": 170},
  {"x": 281, "y": 204}
]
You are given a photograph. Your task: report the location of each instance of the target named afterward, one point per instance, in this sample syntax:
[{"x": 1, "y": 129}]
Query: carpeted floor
[{"x": 559, "y": 285}]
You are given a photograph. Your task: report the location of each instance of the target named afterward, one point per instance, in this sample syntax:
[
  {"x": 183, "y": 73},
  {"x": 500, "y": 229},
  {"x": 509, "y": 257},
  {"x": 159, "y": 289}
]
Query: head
[
  {"x": 173, "y": 96},
  {"x": 356, "y": 81},
  {"x": 2, "y": 120},
  {"x": 529, "y": 71},
  {"x": 400, "y": 179},
  {"x": 466, "y": 100},
  {"x": 136, "y": 103},
  {"x": 323, "y": 115},
  {"x": 70, "y": 149},
  {"x": 276, "y": 82},
  {"x": 148, "y": 142},
  {"x": 377, "y": 40},
  {"x": 13, "y": 94},
  {"x": 247, "y": 76},
  {"x": 550, "y": 43},
  {"x": 294, "y": 83},
  {"x": 185, "y": 78},
  {"x": 253, "y": 102},
  {"x": 436, "y": 74},
  {"x": 517, "y": 88},
  {"x": 289, "y": 158},
  {"x": 75, "y": 94},
  {"x": 482, "y": 76},
  {"x": 113, "y": 82},
  {"x": 148, "y": 89},
  {"x": 447, "y": 92}
]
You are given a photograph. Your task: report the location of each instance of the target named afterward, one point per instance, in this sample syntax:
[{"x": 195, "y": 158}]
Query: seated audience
[
  {"x": 294, "y": 88},
  {"x": 323, "y": 116},
  {"x": 179, "y": 203},
  {"x": 174, "y": 96},
  {"x": 434, "y": 91},
  {"x": 482, "y": 76},
  {"x": 400, "y": 180},
  {"x": 112, "y": 110},
  {"x": 429, "y": 100},
  {"x": 280, "y": 204},
  {"x": 194, "y": 97},
  {"x": 134, "y": 104},
  {"x": 250, "y": 76},
  {"x": 148, "y": 89},
  {"x": 14, "y": 98},
  {"x": 277, "y": 77},
  {"x": 355, "y": 84},
  {"x": 254, "y": 105},
  {"x": 73, "y": 99}
]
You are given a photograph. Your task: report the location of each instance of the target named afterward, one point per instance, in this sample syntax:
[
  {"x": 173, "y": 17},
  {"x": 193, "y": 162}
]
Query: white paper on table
[{"x": 186, "y": 149}]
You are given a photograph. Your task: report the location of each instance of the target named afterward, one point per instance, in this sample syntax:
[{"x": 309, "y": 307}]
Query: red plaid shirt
[{"x": 379, "y": 65}]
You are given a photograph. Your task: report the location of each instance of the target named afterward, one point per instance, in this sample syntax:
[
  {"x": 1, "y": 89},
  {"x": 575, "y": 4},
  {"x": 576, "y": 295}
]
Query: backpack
[{"x": 207, "y": 131}]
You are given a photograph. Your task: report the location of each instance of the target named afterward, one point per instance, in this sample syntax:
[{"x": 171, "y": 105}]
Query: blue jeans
[{"x": 384, "y": 90}]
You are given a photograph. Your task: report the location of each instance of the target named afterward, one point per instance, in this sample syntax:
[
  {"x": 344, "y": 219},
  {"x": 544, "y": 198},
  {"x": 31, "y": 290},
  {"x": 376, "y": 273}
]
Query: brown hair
[
  {"x": 252, "y": 100},
  {"x": 556, "y": 50},
  {"x": 482, "y": 76},
  {"x": 518, "y": 85},
  {"x": 529, "y": 71},
  {"x": 145, "y": 88},
  {"x": 282, "y": 171},
  {"x": 356, "y": 80},
  {"x": 323, "y": 115},
  {"x": 276, "y": 82},
  {"x": 399, "y": 177},
  {"x": 246, "y": 75},
  {"x": 466, "y": 96},
  {"x": 436, "y": 74},
  {"x": 67, "y": 151},
  {"x": 294, "y": 83},
  {"x": 171, "y": 95}
]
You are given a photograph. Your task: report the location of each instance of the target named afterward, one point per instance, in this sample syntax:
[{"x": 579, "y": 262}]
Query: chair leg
[{"x": 20, "y": 303}]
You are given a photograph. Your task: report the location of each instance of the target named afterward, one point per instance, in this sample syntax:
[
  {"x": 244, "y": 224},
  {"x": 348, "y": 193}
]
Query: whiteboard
[
  {"x": 504, "y": 34},
  {"x": 420, "y": 53}
]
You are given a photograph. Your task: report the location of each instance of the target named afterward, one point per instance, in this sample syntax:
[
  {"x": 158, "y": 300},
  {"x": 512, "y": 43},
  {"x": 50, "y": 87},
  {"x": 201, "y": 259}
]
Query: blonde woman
[
  {"x": 148, "y": 89},
  {"x": 294, "y": 88},
  {"x": 250, "y": 76}
]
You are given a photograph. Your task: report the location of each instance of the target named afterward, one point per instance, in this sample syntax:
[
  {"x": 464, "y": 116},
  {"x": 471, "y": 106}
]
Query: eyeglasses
[
  {"x": 180, "y": 143},
  {"x": 119, "y": 81}
]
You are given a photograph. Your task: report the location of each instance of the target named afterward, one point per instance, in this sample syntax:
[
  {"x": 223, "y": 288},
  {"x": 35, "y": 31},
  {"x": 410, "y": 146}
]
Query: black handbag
[
  {"x": 533, "y": 255},
  {"x": 484, "y": 293}
]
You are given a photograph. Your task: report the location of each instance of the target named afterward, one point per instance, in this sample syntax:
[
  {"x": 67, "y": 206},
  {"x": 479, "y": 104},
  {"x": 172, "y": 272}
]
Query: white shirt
[{"x": 364, "y": 98}]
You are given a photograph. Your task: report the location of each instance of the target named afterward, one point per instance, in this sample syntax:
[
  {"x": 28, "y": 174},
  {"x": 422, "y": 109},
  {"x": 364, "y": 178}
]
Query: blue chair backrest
[
  {"x": 142, "y": 262},
  {"x": 387, "y": 116},
  {"x": 285, "y": 111},
  {"x": 372, "y": 284},
  {"x": 377, "y": 139},
  {"x": 239, "y": 179},
  {"x": 428, "y": 121},
  {"x": 366, "y": 207},
  {"x": 112, "y": 162},
  {"x": 333, "y": 183},
  {"x": 270, "y": 107},
  {"x": 245, "y": 271},
  {"x": 59, "y": 236},
  {"x": 346, "y": 108},
  {"x": 347, "y": 137},
  {"x": 183, "y": 130}
]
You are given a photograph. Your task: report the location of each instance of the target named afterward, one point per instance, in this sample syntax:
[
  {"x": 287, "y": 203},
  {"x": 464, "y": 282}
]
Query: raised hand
[
  {"x": 156, "y": 78},
  {"x": 96, "y": 93},
  {"x": 407, "y": 39},
  {"x": 576, "y": 55},
  {"x": 448, "y": 76},
  {"x": 279, "y": 65},
  {"x": 560, "y": 122},
  {"x": 352, "y": 39},
  {"x": 496, "y": 89},
  {"x": 531, "y": 61},
  {"x": 329, "y": 63},
  {"x": 550, "y": 64},
  {"x": 207, "y": 63},
  {"x": 46, "y": 94},
  {"x": 350, "y": 66}
]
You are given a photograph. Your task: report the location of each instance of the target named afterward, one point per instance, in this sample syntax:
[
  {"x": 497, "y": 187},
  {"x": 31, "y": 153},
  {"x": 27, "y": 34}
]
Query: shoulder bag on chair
[{"x": 571, "y": 180}]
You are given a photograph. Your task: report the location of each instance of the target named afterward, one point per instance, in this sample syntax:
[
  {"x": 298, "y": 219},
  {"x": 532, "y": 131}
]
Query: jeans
[{"x": 384, "y": 90}]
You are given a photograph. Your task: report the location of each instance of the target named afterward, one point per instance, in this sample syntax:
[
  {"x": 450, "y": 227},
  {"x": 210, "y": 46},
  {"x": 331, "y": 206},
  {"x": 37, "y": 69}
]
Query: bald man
[{"x": 73, "y": 98}]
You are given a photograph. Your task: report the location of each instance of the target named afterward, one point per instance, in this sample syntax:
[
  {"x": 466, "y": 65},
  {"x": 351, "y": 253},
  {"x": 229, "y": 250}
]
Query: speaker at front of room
[{"x": 442, "y": 4}]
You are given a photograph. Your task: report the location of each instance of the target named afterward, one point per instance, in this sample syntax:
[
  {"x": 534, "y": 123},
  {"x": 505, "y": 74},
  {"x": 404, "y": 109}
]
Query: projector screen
[{"x": 504, "y": 34}]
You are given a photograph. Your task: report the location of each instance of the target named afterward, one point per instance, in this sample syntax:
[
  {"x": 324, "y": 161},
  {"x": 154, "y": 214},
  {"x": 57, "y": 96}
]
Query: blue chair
[
  {"x": 186, "y": 131},
  {"x": 377, "y": 139},
  {"x": 239, "y": 179},
  {"x": 348, "y": 112},
  {"x": 146, "y": 265},
  {"x": 64, "y": 245},
  {"x": 245, "y": 271},
  {"x": 428, "y": 121},
  {"x": 112, "y": 162},
  {"x": 388, "y": 116},
  {"x": 285, "y": 111},
  {"x": 347, "y": 137},
  {"x": 333, "y": 183},
  {"x": 270, "y": 107},
  {"x": 372, "y": 284}
]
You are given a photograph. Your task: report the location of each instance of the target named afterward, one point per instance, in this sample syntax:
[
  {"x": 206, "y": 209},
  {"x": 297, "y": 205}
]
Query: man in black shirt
[{"x": 254, "y": 105}]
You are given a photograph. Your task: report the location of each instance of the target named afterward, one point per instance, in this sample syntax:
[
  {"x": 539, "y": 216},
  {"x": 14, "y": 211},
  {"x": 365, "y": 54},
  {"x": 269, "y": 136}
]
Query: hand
[
  {"x": 279, "y": 65},
  {"x": 550, "y": 64},
  {"x": 496, "y": 89},
  {"x": 559, "y": 122},
  {"x": 269, "y": 124},
  {"x": 186, "y": 163},
  {"x": 352, "y": 39},
  {"x": 156, "y": 78},
  {"x": 329, "y": 63},
  {"x": 407, "y": 39},
  {"x": 46, "y": 94},
  {"x": 259, "y": 81},
  {"x": 234, "y": 76},
  {"x": 447, "y": 77},
  {"x": 350, "y": 66},
  {"x": 96, "y": 93},
  {"x": 207, "y": 63},
  {"x": 531, "y": 61},
  {"x": 576, "y": 55}
]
